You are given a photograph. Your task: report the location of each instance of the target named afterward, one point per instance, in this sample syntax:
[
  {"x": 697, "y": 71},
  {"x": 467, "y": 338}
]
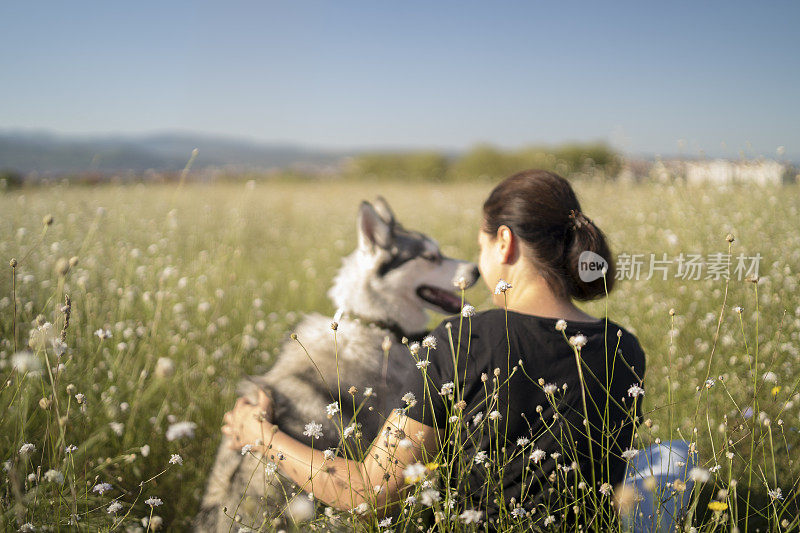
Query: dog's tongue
[{"x": 445, "y": 300}]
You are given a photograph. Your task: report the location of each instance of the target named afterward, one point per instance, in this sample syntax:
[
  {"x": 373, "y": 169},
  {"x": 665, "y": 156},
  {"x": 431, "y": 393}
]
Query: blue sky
[{"x": 647, "y": 77}]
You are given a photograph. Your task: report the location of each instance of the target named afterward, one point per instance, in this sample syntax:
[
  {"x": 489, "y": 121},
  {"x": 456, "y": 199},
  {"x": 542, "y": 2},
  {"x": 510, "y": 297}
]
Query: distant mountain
[{"x": 55, "y": 154}]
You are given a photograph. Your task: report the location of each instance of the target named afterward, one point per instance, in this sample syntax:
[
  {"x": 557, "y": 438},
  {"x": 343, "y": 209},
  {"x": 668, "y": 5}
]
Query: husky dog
[{"x": 382, "y": 290}]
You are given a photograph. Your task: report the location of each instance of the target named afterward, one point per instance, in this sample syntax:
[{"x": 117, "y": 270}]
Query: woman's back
[{"x": 516, "y": 433}]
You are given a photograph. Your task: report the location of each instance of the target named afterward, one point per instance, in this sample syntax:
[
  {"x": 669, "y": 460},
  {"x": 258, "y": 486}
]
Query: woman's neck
[{"x": 531, "y": 295}]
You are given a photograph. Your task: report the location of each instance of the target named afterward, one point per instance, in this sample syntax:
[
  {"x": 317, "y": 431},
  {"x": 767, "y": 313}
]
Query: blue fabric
[{"x": 660, "y": 506}]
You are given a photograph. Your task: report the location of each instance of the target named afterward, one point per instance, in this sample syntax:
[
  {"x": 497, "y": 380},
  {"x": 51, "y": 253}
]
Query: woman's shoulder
[
  {"x": 494, "y": 321},
  {"x": 627, "y": 344},
  {"x": 481, "y": 327}
]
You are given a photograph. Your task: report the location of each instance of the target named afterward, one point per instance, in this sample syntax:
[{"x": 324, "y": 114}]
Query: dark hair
[{"x": 541, "y": 208}]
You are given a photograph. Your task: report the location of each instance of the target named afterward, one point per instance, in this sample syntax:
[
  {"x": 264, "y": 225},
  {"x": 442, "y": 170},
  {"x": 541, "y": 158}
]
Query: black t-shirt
[{"x": 506, "y": 427}]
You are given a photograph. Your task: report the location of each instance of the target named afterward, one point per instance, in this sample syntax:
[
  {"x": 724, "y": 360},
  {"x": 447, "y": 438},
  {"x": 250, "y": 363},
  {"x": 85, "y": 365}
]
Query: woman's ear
[{"x": 507, "y": 244}]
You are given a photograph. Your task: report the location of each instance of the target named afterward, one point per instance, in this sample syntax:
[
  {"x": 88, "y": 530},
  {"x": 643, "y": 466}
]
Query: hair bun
[
  {"x": 533, "y": 204},
  {"x": 578, "y": 219}
]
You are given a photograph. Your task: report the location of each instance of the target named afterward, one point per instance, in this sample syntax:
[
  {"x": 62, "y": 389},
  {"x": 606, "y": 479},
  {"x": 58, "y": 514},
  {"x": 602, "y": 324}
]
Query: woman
[{"x": 520, "y": 405}]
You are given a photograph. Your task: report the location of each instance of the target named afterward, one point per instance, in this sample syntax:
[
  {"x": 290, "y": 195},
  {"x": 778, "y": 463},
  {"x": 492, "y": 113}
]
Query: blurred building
[
  {"x": 760, "y": 172},
  {"x": 721, "y": 171}
]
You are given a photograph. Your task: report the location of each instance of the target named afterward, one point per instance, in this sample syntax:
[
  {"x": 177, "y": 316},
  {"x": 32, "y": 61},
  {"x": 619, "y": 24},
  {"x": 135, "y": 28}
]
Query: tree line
[{"x": 484, "y": 161}]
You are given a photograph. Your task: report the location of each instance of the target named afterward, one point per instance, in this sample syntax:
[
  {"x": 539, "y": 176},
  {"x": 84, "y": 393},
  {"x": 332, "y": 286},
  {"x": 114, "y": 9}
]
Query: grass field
[{"x": 191, "y": 289}]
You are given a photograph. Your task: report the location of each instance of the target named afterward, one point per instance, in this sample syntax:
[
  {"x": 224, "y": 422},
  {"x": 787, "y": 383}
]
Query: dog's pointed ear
[
  {"x": 383, "y": 209},
  {"x": 373, "y": 230}
]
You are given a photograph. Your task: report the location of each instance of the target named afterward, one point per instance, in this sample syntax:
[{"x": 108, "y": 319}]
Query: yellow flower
[
  {"x": 432, "y": 466},
  {"x": 775, "y": 390},
  {"x": 717, "y": 507}
]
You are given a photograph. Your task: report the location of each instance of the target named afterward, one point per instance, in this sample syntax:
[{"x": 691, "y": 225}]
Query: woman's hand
[{"x": 249, "y": 422}]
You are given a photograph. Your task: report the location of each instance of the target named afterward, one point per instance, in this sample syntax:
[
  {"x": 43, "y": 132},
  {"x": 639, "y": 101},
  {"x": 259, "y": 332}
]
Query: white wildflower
[
  {"x": 59, "y": 347},
  {"x": 629, "y": 454},
  {"x": 635, "y": 390},
  {"x": 578, "y": 341},
  {"x": 41, "y": 336},
  {"x": 518, "y": 512},
  {"x": 549, "y": 520},
  {"x": 447, "y": 388},
  {"x": 502, "y": 286},
  {"x": 368, "y": 392},
  {"x": 561, "y": 325},
  {"x": 102, "y": 488},
  {"x": 175, "y": 459},
  {"x": 180, "y": 430},
  {"x": 495, "y": 415},
  {"x": 409, "y": 399},
  {"x": 423, "y": 363},
  {"x": 471, "y": 516},
  {"x": 480, "y": 457},
  {"x": 699, "y": 475},
  {"x": 467, "y": 311},
  {"x": 103, "y": 333},
  {"x": 313, "y": 430},
  {"x": 550, "y": 388},
  {"x": 54, "y": 476},
  {"x": 429, "y": 342},
  {"x": 605, "y": 489},
  {"x": 386, "y": 522},
  {"x": 537, "y": 455},
  {"x": 117, "y": 427},
  {"x": 155, "y": 523},
  {"x": 114, "y": 508},
  {"x": 775, "y": 494},
  {"x": 26, "y": 363},
  {"x": 153, "y": 501},
  {"x": 27, "y": 449},
  {"x": 329, "y": 454},
  {"x": 270, "y": 468},
  {"x": 523, "y": 441},
  {"x": 70, "y": 448},
  {"x": 165, "y": 367},
  {"x": 332, "y": 408},
  {"x": 429, "y": 496}
]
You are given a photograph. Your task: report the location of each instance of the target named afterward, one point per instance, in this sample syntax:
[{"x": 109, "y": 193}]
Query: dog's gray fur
[{"x": 377, "y": 285}]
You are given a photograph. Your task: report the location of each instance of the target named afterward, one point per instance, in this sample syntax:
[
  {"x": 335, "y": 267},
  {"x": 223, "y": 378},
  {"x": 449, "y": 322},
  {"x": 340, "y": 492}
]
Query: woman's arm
[{"x": 339, "y": 482}]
